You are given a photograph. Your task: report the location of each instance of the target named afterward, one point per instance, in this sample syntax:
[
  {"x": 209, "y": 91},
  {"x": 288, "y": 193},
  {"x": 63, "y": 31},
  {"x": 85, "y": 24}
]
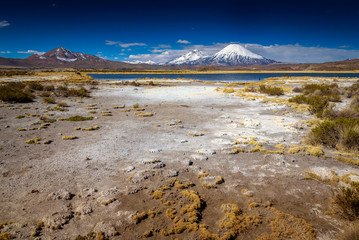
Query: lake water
[{"x": 232, "y": 77}]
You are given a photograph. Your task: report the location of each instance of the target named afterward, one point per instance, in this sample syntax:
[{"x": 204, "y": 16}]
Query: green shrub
[
  {"x": 317, "y": 104},
  {"x": 15, "y": 92},
  {"x": 49, "y": 100},
  {"x": 340, "y": 133},
  {"x": 273, "y": 91},
  {"x": 35, "y": 86},
  {"x": 71, "y": 92},
  {"x": 346, "y": 200}
]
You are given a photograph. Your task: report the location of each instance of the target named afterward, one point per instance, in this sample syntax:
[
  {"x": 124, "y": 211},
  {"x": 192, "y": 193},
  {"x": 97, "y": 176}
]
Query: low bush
[
  {"x": 49, "y": 88},
  {"x": 71, "y": 92},
  {"x": 341, "y": 133},
  {"x": 15, "y": 92},
  {"x": 35, "y": 86},
  {"x": 273, "y": 91},
  {"x": 346, "y": 200},
  {"x": 49, "y": 100},
  {"x": 317, "y": 104}
]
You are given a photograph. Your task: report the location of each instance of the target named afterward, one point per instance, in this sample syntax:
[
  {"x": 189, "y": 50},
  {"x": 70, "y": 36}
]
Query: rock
[
  {"x": 83, "y": 209},
  {"x": 247, "y": 193},
  {"x": 108, "y": 196},
  {"x": 61, "y": 194},
  {"x": 206, "y": 152},
  {"x": 172, "y": 173},
  {"x": 88, "y": 192},
  {"x": 107, "y": 228},
  {"x": 129, "y": 169},
  {"x": 183, "y": 141},
  {"x": 141, "y": 176},
  {"x": 57, "y": 219},
  {"x": 199, "y": 157},
  {"x": 154, "y": 150}
]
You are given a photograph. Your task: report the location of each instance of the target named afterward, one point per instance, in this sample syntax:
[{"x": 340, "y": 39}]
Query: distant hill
[{"x": 227, "y": 60}]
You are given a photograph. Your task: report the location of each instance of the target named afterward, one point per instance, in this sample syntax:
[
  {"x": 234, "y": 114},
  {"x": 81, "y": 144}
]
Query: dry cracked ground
[{"x": 188, "y": 161}]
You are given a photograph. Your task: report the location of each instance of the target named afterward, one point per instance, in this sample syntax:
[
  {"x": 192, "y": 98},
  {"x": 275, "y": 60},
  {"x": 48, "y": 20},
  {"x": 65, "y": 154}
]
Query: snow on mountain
[
  {"x": 231, "y": 55},
  {"x": 141, "y": 62},
  {"x": 236, "y": 54},
  {"x": 65, "y": 55},
  {"x": 191, "y": 58}
]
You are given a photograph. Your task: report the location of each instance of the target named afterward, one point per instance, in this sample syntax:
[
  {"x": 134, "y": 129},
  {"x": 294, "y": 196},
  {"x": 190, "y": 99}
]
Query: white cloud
[
  {"x": 115, "y": 58},
  {"x": 4, "y": 23},
  {"x": 283, "y": 53},
  {"x": 108, "y": 42},
  {"x": 31, "y": 52},
  {"x": 124, "y": 45},
  {"x": 183, "y": 41},
  {"x": 5, "y": 52},
  {"x": 300, "y": 54},
  {"x": 164, "y": 46}
]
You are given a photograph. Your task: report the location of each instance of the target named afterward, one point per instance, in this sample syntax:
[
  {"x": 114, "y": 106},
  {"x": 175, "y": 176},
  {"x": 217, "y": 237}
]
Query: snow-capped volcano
[
  {"x": 191, "y": 58},
  {"x": 236, "y": 54},
  {"x": 231, "y": 55}
]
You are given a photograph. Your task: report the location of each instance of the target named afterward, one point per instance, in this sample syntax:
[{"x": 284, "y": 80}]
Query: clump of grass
[
  {"x": 148, "y": 234},
  {"x": 273, "y": 91},
  {"x": 62, "y": 104},
  {"x": 136, "y": 105},
  {"x": 139, "y": 217},
  {"x": 195, "y": 134},
  {"x": 69, "y": 137},
  {"x": 71, "y": 92},
  {"x": 228, "y": 90},
  {"x": 15, "y": 92},
  {"x": 96, "y": 127},
  {"x": 78, "y": 118},
  {"x": 219, "y": 180},
  {"x": 20, "y": 116},
  {"x": 314, "y": 151},
  {"x": 6, "y": 236},
  {"x": 36, "y": 140},
  {"x": 144, "y": 114},
  {"x": 49, "y": 100},
  {"x": 117, "y": 107},
  {"x": 21, "y": 129},
  {"x": 158, "y": 194}
]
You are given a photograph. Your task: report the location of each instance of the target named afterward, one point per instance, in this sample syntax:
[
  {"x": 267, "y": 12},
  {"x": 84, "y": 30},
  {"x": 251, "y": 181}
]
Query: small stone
[
  {"x": 61, "y": 194},
  {"x": 88, "y": 192},
  {"x": 172, "y": 173},
  {"x": 129, "y": 169},
  {"x": 184, "y": 141},
  {"x": 199, "y": 157},
  {"x": 154, "y": 150}
]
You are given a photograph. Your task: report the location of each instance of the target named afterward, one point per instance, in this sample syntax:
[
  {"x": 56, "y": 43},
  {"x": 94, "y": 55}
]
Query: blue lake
[{"x": 232, "y": 77}]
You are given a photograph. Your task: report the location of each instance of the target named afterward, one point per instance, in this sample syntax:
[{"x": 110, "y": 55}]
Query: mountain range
[{"x": 232, "y": 57}]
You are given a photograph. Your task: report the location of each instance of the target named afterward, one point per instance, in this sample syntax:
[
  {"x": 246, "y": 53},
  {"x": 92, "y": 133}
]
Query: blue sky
[{"x": 290, "y": 31}]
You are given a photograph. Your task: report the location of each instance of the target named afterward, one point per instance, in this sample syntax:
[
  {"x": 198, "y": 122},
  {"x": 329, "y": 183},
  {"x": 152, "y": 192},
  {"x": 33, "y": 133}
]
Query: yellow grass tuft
[{"x": 69, "y": 137}]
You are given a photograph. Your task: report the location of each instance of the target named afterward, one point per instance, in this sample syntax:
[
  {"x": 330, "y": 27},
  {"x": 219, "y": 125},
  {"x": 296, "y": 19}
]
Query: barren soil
[{"x": 100, "y": 181}]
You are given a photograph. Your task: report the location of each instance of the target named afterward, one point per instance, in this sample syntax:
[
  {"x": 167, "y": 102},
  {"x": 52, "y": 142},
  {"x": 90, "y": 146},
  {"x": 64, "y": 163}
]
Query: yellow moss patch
[
  {"x": 126, "y": 110},
  {"x": 148, "y": 234},
  {"x": 5, "y": 236},
  {"x": 285, "y": 226},
  {"x": 253, "y": 205},
  {"x": 69, "y": 137},
  {"x": 195, "y": 134},
  {"x": 158, "y": 194},
  {"x": 21, "y": 129},
  {"x": 314, "y": 151},
  {"x": 106, "y": 114},
  {"x": 96, "y": 127},
  {"x": 117, "y": 107},
  {"x": 144, "y": 114},
  {"x": 138, "y": 109},
  {"x": 34, "y": 140},
  {"x": 139, "y": 217},
  {"x": 219, "y": 180},
  {"x": 228, "y": 90},
  {"x": 294, "y": 150}
]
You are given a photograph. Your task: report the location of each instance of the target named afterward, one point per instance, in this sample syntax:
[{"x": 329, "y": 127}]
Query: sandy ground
[{"x": 100, "y": 181}]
